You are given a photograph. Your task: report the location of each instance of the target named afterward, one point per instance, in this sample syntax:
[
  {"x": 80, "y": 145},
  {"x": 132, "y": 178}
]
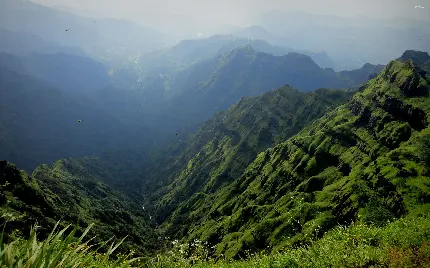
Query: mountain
[
  {"x": 321, "y": 178},
  {"x": 40, "y": 123},
  {"x": 73, "y": 74},
  {"x": 261, "y": 34},
  {"x": 421, "y": 58},
  {"x": 350, "y": 42},
  {"x": 221, "y": 149},
  {"x": 145, "y": 117},
  {"x": 321, "y": 58},
  {"x": 365, "y": 161},
  {"x": 356, "y": 77},
  {"x": 67, "y": 192},
  {"x": 216, "y": 84},
  {"x": 198, "y": 92},
  {"x": 102, "y": 38},
  {"x": 187, "y": 52},
  {"x": 24, "y": 43},
  {"x": 257, "y": 44}
]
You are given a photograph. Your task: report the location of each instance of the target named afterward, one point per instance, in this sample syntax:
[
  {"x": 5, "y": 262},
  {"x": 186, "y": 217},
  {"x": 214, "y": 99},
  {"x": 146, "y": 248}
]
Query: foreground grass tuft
[{"x": 59, "y": 250}]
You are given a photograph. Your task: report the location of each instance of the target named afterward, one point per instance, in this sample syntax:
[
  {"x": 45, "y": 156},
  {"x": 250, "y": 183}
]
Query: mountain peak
[
  {"x": 408, "y": 76},
  {"x": 246, "y": 48},
  {"x": 419, "y": 57},
  {"x": 242, "y": 51}
]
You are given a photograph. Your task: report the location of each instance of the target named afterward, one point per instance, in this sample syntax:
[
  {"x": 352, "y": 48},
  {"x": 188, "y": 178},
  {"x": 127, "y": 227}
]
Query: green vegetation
[
  {"x": 68, "y": 192},
  {"x": 200, "y": 91},
  {"x": 402, "y": 243},
  {"x": 60, "y": 250},
  {"x": 226, "y": 144},
  {"x": 286, "y": 179},
  {"x": 365, "y": 161}
]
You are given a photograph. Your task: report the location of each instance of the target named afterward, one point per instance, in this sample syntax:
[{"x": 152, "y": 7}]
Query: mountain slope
[
  {"x": 187, "y": 52},
  {"x": 222, "y": 148},
  {"x": 39, "y": 123},
  {"x": 68, "y": 193},
  {"x": 103, "y": 38},
  {"x": 419, "y": 57},
  {"x": 74, "y": 74},
  {"x": 357, "y": 77},
  {"x": 367, "y": 161},
  {"x": 24, "y": 43},
  {"x": 213, "y": 85}
]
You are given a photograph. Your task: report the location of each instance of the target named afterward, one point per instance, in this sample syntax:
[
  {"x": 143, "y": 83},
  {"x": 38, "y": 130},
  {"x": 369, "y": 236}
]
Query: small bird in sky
[
  {"x": 80, "y": 121},
  {"x": 67, "y": 30},
  {"x": 419, "y": 7}
]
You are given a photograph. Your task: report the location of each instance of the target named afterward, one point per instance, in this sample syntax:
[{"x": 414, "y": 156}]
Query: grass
[
  {"x": 60, "y": 250},
  {"x": 403, "y": 243}
]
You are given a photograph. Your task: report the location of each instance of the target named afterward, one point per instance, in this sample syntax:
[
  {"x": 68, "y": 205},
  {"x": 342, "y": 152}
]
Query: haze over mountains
[{"x": 257, "y": 134}]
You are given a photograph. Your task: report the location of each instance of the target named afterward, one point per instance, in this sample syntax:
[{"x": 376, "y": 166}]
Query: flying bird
[
  {"x": 419, "y": 7},
  {"x": 80, "y": 121}
]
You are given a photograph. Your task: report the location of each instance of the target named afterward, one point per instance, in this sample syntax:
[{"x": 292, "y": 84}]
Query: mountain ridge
[{"x": 312, "y": 178}]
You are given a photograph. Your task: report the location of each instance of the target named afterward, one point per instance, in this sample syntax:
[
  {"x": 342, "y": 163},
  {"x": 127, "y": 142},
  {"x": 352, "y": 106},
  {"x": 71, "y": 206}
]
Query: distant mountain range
[
  {"x": 169, "y": 105},
  {"x": 350, "y": 42},
  {"x": 213, "y": 85},
  {"x": 100, "y": 37}
]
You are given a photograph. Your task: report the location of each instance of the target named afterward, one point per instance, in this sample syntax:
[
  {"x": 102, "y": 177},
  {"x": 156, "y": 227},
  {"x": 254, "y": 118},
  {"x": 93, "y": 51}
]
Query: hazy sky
[{"x": 245, "y": 11}]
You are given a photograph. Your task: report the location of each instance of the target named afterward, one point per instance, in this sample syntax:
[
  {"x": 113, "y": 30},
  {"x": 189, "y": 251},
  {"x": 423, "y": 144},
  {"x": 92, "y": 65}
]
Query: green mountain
[
  {"x": 226, "y": 144},
  {"x": 205, "y": 88},
  {"x": 365, "y": 161},
  {"x": 419, "y": 57},
  {"x": 69, "y": 193},
  {"x": 336, "y": 173}
]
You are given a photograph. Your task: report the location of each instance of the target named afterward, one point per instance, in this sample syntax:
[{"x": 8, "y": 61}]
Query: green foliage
[
  {"x": 225, "y": 145},
  {"x": 402, "y": 243},
  {"x": 283, "y": 179},
  {"x": 364, "y": 161},
  {"x": 69, "y": 192},
  {"x": 207, "y": 87},
  {"x": 60, "y": 250}
]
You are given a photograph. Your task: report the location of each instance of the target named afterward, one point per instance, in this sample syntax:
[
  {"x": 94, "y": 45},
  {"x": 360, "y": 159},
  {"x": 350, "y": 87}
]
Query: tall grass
[{"x": 60, "y": 250}]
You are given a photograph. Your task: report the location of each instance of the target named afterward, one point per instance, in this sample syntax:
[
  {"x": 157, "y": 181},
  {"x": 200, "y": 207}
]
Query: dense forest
[{"x": 233, "y": 150}]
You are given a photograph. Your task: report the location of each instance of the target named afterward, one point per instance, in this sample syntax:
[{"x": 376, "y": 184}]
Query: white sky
[{"x": 245, "y": 11}]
